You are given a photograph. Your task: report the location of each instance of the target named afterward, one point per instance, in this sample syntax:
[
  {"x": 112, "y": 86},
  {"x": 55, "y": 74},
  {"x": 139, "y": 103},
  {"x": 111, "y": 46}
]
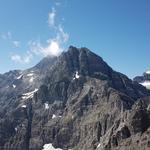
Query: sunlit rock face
[{"x": 73, "y": 102}]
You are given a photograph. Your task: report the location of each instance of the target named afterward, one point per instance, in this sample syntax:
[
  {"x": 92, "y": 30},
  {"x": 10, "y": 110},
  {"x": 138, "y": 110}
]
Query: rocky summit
[{"x": 73, "y": 102}]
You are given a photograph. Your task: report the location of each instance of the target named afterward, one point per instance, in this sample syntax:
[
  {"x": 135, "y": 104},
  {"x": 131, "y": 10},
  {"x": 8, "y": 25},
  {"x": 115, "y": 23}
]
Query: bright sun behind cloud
[{"x": 53, "y": 49}]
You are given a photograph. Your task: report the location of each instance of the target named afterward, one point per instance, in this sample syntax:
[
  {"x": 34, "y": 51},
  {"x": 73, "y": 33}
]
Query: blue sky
[{"x": 117, "y": 30}]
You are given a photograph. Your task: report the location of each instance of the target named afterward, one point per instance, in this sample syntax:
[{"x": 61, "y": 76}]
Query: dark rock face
[{"x": 81, "y": 104}]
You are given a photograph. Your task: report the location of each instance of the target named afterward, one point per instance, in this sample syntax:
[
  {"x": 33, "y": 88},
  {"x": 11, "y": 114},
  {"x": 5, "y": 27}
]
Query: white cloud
[
  {"x": 35, "y": 47},
  {"x": 53, "y": 47},
  {"x": 61, "y": 35},
  {"x": 16, "y": 44},
  {"x": 22, "y": 59},
  {"x": 6, "y": 36},
  {"x": 51, "y": 17},
  {"x": 16, "y": 58}
]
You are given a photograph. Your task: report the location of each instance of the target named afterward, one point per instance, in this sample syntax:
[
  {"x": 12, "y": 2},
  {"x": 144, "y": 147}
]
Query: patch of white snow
[
  {"x": 46, "y": 105},
  {"x": 98, "y": 145},
  {"x": 19, "y": 77},
  {"x": 16, "y": 129},
  {"x": 29, "y": 94},
  {"x": 31, "y": 79},
  {"x": 30, "y": 75},
  {"x": 24, "y": 106},
  {"x": 54, "y": 116},
  {"x": 77, "y": 76},
  {"x": 50, "y": 147},
  {"x": 14, "y": 86}
]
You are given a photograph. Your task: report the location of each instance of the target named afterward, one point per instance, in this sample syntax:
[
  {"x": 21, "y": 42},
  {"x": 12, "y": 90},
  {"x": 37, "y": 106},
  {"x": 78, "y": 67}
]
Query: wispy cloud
[
  {"x": 22, "y": 59},
  {"x": 6, "y": 36},
  {"x": 62, "y": 35},
  {"x": 51, "y": 17},
  {"x": 16, "y": 44},
  {"x": 53, "y": 47},
  {"x": 57, "y": 3}
]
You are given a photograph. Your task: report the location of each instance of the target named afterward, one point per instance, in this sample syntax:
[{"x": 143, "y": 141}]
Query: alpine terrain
[
  {"x": 73, "y": 102},
  {"x": 144, "y": 80}
]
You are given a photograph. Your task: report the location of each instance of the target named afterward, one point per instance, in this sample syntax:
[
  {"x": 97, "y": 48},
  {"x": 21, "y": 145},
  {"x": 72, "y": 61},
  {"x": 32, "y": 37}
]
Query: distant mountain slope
[
  {"x": 144, "y": 79},
  {"x": 75, "y": 101}
]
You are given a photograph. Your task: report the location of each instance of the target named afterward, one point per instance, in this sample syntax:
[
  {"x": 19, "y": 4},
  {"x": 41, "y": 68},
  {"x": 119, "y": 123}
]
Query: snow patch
[
  {"x": 46, "y": 105},
  {"x": 77, "y": 76},
  {"x": 148, "y": 108},
  {"x": 14, "y": 86},
  {"x": 146, "y": 84},
  {"x": 29, "y": 94},
  {"x": 54, "y": 116},
  {"x": 16, "y": 129},
  {"x": 19, "y": 77},
  {"x": 50, "y": 147},
  {"x": 30, "y": 75},
  {"x": 98, "y": 145},
  {"x": 31, "y": 79},
  {"x": 24, "y": 106}
]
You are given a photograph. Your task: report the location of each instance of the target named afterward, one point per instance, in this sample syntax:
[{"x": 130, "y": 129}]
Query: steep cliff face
[{"x": 75, "y": 101}]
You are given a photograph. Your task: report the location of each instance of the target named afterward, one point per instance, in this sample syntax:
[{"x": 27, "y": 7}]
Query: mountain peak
[{"x": 84, "y": 60}]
